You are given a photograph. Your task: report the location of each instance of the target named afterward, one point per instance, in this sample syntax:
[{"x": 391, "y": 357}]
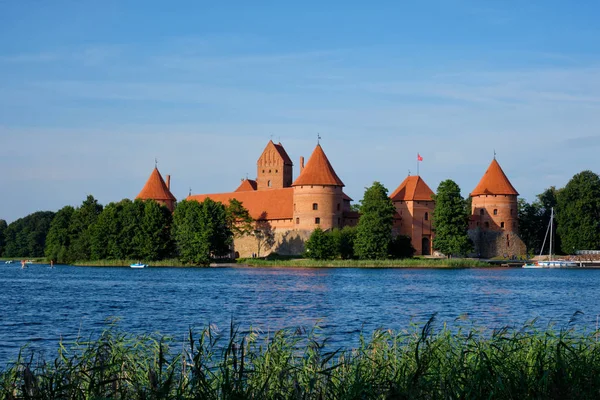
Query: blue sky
[{"x": 92, "y": 92}]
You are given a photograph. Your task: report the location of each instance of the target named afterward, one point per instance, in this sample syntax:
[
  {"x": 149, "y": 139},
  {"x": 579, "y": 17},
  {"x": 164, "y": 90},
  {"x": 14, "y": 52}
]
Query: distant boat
[
  {"x": 138, "y": 265},
  {"x": 550, "y": 263},
  {"x": 8, "y": 262}
]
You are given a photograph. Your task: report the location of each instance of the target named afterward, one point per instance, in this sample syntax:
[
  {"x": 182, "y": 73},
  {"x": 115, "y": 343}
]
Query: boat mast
[{"x": 551, "y": 230}]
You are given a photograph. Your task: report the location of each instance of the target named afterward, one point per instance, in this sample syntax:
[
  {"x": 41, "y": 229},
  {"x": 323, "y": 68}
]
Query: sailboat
[{"x": 550, "y": 263}]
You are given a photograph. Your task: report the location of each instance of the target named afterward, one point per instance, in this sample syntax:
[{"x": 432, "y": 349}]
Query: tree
[
  {"x": 239, "y": 220},
  {"x": 320, "y": 245},
  {"x": 450, "y": 220},
  {"x": 155, "y": 227},
  {"x": 80, "y": 229},
  {"x": 201, "y": 231},
  {"x": 3, "y": 227},
  {"x": 344, "y": 241},
  {"x": 58, "y": 238},
  {"x": 374, "y": 230},
  {"x": 26, "y": 237},
  {"x": 578, "y": 213},
  {"x": 401, "y": 247},
  {"x": 531, "y": 228}
]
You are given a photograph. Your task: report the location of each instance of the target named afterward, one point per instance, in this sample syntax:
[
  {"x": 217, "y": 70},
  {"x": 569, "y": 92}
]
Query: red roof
[
  {"x": 413, "y": 188},
  {"x": 346, "y": 197},
  {"x": 155, "y": 188},
  {"x": 247, "y": 185},
  {"x": 494, "y": 182},
  {"x": 262, "y": 204},
  {"x": 286, "y": 159},
  {"x": 318, "y": 171}
]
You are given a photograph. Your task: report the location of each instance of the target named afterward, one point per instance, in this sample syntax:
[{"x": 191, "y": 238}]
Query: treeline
[
  {"x": 577, "y": 216},
  {"x": 195, "y": 233}
]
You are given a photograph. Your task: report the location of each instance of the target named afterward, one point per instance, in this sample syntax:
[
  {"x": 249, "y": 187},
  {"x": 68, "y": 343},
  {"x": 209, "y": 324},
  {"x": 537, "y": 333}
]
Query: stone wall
[
  {"x": 287, "y": 242},
  {"x": 489, "y": 244}
]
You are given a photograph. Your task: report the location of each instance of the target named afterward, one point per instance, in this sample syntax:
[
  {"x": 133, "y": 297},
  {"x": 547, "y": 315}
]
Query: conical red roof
[
  {"x": 155, "y": 188},
  {"x": 413, "y": 188},
  {"x": 318, "y": 171},
  {"x": 494, "y": 182},
  {"x": 246, "y": 186}
]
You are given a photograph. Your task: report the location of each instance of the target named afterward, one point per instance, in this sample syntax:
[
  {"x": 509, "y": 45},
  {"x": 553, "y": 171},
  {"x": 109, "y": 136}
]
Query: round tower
[
  {"x": 494, "y": 202},
  {"x": 318, "y": 196}
]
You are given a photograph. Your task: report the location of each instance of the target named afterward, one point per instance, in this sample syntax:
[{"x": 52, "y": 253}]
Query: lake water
[{"x": 39, "y": 305}]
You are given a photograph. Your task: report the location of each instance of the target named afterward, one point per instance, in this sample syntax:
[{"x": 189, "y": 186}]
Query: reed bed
[
  {"x": 401, "y": 263},
  {"x": 418, "y": 363}
]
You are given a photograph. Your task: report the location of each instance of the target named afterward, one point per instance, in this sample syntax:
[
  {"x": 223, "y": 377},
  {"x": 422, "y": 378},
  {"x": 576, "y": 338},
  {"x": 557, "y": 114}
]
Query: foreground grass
[
  {"x": 402, "y": 263},
  {"x": 294, "y": 364}
]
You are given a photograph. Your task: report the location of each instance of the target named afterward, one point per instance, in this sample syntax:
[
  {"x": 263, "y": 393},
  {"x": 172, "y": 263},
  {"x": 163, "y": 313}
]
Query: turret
[
  {"x": 156, "y": 189},
  {"x": 274, "y": 168},
  {"x": 318, "y": 196},
  {"x": 414, "y": 207},
  {"x": 494, "y": 202}
]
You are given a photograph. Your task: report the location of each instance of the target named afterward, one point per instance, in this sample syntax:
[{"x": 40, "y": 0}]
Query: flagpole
[{"x": 417, "y": 164}]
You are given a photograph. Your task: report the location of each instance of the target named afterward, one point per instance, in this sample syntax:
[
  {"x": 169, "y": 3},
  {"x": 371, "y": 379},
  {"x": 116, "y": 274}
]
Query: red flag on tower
[{"x": 419, "y": 158}]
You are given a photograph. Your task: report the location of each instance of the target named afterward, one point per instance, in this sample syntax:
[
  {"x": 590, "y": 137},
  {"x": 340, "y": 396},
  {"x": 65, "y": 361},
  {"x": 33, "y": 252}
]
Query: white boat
[
  {"x": 138, "y": 265},
  {"x": 8, "y": 262},
  {"x": 550, "y": 263}
]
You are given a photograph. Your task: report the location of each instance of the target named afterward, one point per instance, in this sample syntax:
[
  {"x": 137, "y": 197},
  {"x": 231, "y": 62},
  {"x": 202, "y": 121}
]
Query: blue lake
[{"x": 39, "y": 305}]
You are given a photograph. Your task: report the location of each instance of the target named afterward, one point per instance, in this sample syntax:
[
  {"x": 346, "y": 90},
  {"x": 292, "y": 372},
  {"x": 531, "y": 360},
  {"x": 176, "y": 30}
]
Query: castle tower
[
  {"x": 274, "y": 168},
  {"x": 318, "y": 196},
  {"x": 414, "y": 204},
  {"x": 156, "y": 189},
  {"x": 494, "y": 223}
]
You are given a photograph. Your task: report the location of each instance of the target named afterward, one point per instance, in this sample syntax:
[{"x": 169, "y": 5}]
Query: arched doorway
[{"x": 425, "y": 246}]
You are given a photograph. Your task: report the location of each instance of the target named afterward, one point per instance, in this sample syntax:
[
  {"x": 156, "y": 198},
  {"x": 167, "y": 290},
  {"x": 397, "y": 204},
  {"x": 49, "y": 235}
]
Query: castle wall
[
  {"x": 287, "y": 242},
  {"x": 329, "y": 210},
  {"x": 490, "y": 244},
  {"x": 415, "y": 221},
  {"x": 494, "y": 213}
]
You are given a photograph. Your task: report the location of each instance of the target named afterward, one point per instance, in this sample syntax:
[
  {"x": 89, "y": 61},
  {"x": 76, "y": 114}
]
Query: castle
[{"x": 292, "y": 209}]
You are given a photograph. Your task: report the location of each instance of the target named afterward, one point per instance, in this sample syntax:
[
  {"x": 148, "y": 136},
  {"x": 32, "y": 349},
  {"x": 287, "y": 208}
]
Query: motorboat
[{"x": 138, "y": 265}]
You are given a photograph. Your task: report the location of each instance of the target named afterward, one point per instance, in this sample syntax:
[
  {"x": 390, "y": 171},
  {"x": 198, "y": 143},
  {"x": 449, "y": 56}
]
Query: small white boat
[
  {"x": 138, "y": 265},
  {"x": 8, "y": 262},
  {"x": 550, "y": 263}
]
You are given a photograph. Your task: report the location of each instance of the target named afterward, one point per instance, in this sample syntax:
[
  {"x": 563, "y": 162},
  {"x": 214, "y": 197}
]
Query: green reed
[{"x": 418, "y": 363}]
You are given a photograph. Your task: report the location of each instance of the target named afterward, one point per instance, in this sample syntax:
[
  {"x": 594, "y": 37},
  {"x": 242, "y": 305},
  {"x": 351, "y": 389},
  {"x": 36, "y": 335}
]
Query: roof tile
[
  {"x": 318, "y": 171},
  {"x": 247, "y": 185},
  {"x": 494, "y": 182},
  {"x": 155, "y": 188},
  {"x": 413, "y": 188}
]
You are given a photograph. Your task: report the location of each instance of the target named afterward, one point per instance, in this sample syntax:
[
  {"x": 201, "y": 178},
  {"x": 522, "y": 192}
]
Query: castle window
[
  {"x": 315, "y": 206},
  {"x": 502, "y": 225},
  {"x": 276, "y": 171},
  {"x": 263, "y": 171},
  {"x": 426, "y": 217},
  {"x": 339, "y": 222},
  {"x": 269, "y": 171},
  {"x": 269, "y": 183},
  {"x": 297, "y": 221},
  {"x": 317, "y": 220},
  {"x": 507, "y": 241},
  {"x": 338, "y": 208},
  {"x": 481, "y": 211},
  {"x": 511, "y": 211},
  {"x": 495, "y": 211},
  {"x": 294, "y": 206},
  {"x": 487, "y": 224}
]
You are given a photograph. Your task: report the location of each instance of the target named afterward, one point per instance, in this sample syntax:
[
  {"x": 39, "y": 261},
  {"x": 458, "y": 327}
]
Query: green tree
[
  {"x": 374, "y": 230},
  {"x": 579, "y": 213},
  {"x": 58, "y": 238},
  {"x": 3, "y": 227},
  {"x": 401, "y": 247},
  {"x": 155, "y": 227},
  {"x": 531, "y": 228},
  {"x": 344, "y": 241},
  {"x": 450, "y": 220},
  {"x": 26, "y": 237},
  {"x": 320, "y": 245},
  {"x": 200, "y": 231},
  {"x": 239, "y": 220},
  {"x": 80, "y": 230}
]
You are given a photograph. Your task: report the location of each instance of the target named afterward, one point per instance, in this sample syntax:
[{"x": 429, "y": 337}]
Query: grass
[
  {"x": 402, "y": 263},
  {"x": 418, "y": 363}
]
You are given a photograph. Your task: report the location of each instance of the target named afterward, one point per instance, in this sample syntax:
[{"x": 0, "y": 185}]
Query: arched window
[
  {"x": 495, "y": 211},
  {"x": 338, "y": 207},
  {"x": 487, "y": 224},
  {"x": 502, "y": 225},
  {"x": 426, "y": 217},
  {"x": 315, "y": 206},
  {"x": 297, "y": 221},
  {"x": 269, "y": 183}
]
